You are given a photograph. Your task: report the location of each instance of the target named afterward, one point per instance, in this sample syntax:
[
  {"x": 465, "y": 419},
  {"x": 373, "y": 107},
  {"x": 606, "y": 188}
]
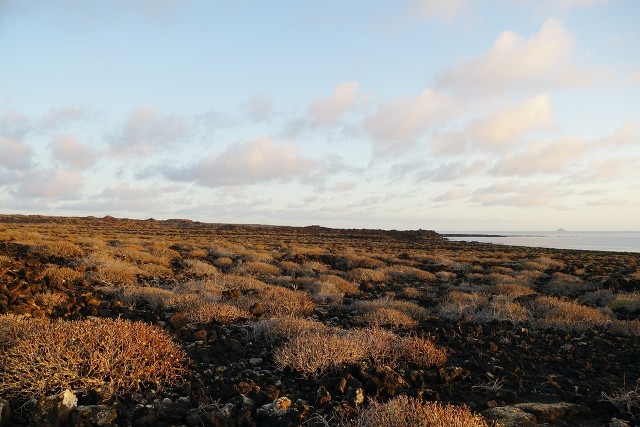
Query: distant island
[{"x": 562, "y": 230}]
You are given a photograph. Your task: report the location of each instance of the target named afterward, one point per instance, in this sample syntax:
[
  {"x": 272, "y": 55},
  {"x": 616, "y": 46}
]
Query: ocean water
[{"x": 617, "y": 241}]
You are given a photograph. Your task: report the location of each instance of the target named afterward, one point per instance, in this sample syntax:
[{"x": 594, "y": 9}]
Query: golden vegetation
[{"x": 111, "y": 357}]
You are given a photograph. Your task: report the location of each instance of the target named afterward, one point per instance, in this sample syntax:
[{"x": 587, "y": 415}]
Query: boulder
[
  {"x": 551, "y": 412},
  {"x": 509, "y": 416}
]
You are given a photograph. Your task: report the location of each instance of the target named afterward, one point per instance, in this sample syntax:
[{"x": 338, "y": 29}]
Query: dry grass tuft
[
  {"x": 366, "y": 275},
  {"x": 404, "y": 411},
  {"x": 59, "y": 276},
  {"x": 111, "y": 357},
  {"x": 216, "y": 312},
  {"x": 314, "y": 353},
  {"x": 567, "y": 315},
  {"x": 408, "y": 274},
  {"x": 287, "y": 327}
]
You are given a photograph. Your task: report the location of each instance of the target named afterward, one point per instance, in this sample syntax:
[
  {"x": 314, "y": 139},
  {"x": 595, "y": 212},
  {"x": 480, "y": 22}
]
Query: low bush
[
  {"x": 316, "y": 352},
  {"x": 216, "y": 312},
  {"x": 60, "y": 276},
  {"x": 568, "y": 315},
  {"x": 110, "y": 357},
  {"x": 404, "y": 411}
]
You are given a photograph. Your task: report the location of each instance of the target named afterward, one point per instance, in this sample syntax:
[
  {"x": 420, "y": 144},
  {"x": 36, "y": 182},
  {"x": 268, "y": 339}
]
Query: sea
[{"x": 615, "y": 241}]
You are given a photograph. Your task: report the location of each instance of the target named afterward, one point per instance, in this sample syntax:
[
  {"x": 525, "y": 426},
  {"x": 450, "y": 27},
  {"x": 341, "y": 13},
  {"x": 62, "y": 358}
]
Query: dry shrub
[
  {"x": 540, "y": 263},
  {"x": 103, "y": 268},
  {"x": 499, "y": 269},
  {"x": 501, "y": 309},
  {"x": 460, "y": 305},
  {"x": 366, "y": 275},
  {"x": 406, "y": 273},
  {"x": 278, "y": 301},
  {"x": 155, "y": 270},
  {"x": 404, "y": 411},
  {"x": 567, "y": 315},
  {"x": 154, "y": 297},
  {"x": 567, "y": 284},
  {"x": 216, "y": 312},
  {"x": 111, "y": 357},
  {"x": 350, "y": 261},
  {"x": 512, "y": 290},
  {"x": 529, "y": 276},
  {"x": 383, "y": 316},
  {"x": 198, "y": 253},
  {"x": 315, "y": 267},
  {"x": 200, "y": 269},
  {"x": 479, "y": 307},
  {"x": 626, "y": 302},
  {"x": 446, "y": 276},
  {"x": 223, "y": 262},
  {"x": 287, "y": 327},
  {"x": 58, "y": 249},
  {"x": 410, "y": 292},
  {"x": 137, "y": 254},
  {"x": 601, "y": 297},
  {"x": 323, "y": 291},
  {"x": 5, "y": 260},
  {"x": 13, "y": 327},
  {"x": 496, "y": 278},
  {"x": 205, "y": 290},
  {"x": 51, "y": 299},
  {"x": 258, "y": 256},
  {"x": 315, "y": 353},
  {"x": 258, "y": 269},
  {"x": 342, "y": 285},
  {"x": 228, "y": 250},
  {"x": 59, "y": 276},
  {"x": 421, "y": 352}
]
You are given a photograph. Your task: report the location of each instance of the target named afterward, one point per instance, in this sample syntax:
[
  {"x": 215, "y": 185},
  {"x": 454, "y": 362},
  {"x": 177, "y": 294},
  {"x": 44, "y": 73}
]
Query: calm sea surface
[{"x": 618, "y": 241}]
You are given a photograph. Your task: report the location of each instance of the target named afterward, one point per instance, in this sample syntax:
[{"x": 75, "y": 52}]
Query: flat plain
[{"x": 107, "y": 321}]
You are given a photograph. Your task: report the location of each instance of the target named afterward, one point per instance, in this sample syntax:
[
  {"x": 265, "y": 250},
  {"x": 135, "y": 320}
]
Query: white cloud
[
  {"x": 544, "y": 59},
  {"x": 69, "y": 150},
  {"x": 247, "y": 163},
  {"x": 544, "y": 157},
  {"x": 455, "y": 193},
  {"x": 49, "y": 184},
  {"x": 14, "y": 124},
  {"x": 14, "y": 155},
  {"x": 511, "y": 193},
  {"x": 506, "y": 127},
  {"x": 398, "y": 124},
  {"x": 144, "y": 132},
  {"x": 328, "y": 111},
  {"x": 446, "y": 10}
]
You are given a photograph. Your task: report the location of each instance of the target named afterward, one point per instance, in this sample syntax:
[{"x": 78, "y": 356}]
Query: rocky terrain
[{"x": 527, "y": 336}]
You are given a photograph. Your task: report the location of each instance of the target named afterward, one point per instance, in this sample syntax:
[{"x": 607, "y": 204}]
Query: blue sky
[{"x": 457, "y": 115}]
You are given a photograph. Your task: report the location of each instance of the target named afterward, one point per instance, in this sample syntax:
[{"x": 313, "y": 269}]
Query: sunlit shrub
[
  {"x": 111, "y": 357},
  {"x": 404, "y": 411}
]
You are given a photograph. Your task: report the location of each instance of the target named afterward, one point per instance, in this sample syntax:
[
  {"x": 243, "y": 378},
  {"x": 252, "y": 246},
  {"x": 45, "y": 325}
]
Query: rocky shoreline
[{"x": 524, "y": 371}]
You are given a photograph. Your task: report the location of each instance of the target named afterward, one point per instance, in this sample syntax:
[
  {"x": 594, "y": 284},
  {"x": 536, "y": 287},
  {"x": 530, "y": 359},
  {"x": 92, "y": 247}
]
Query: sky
[{"x": 395, "y": 114}]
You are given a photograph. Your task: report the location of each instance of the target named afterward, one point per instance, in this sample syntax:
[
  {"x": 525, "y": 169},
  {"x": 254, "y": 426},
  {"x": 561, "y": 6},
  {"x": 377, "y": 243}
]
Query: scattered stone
[
  {"x": 5, "y": 412},
  {"x": 255, "y": 361},
  {"x": 550, "y": 412},
  {"x": 615, "y": 422},
  {"x": 509, "y": 416},
  {"x": 356, "y": 396},
  {"x": 278, "y": 407},
  {"x": 99, "y": 415}
]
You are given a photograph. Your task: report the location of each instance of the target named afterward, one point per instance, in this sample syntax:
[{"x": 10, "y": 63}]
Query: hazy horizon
[{"x": 461, "y": 115}]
